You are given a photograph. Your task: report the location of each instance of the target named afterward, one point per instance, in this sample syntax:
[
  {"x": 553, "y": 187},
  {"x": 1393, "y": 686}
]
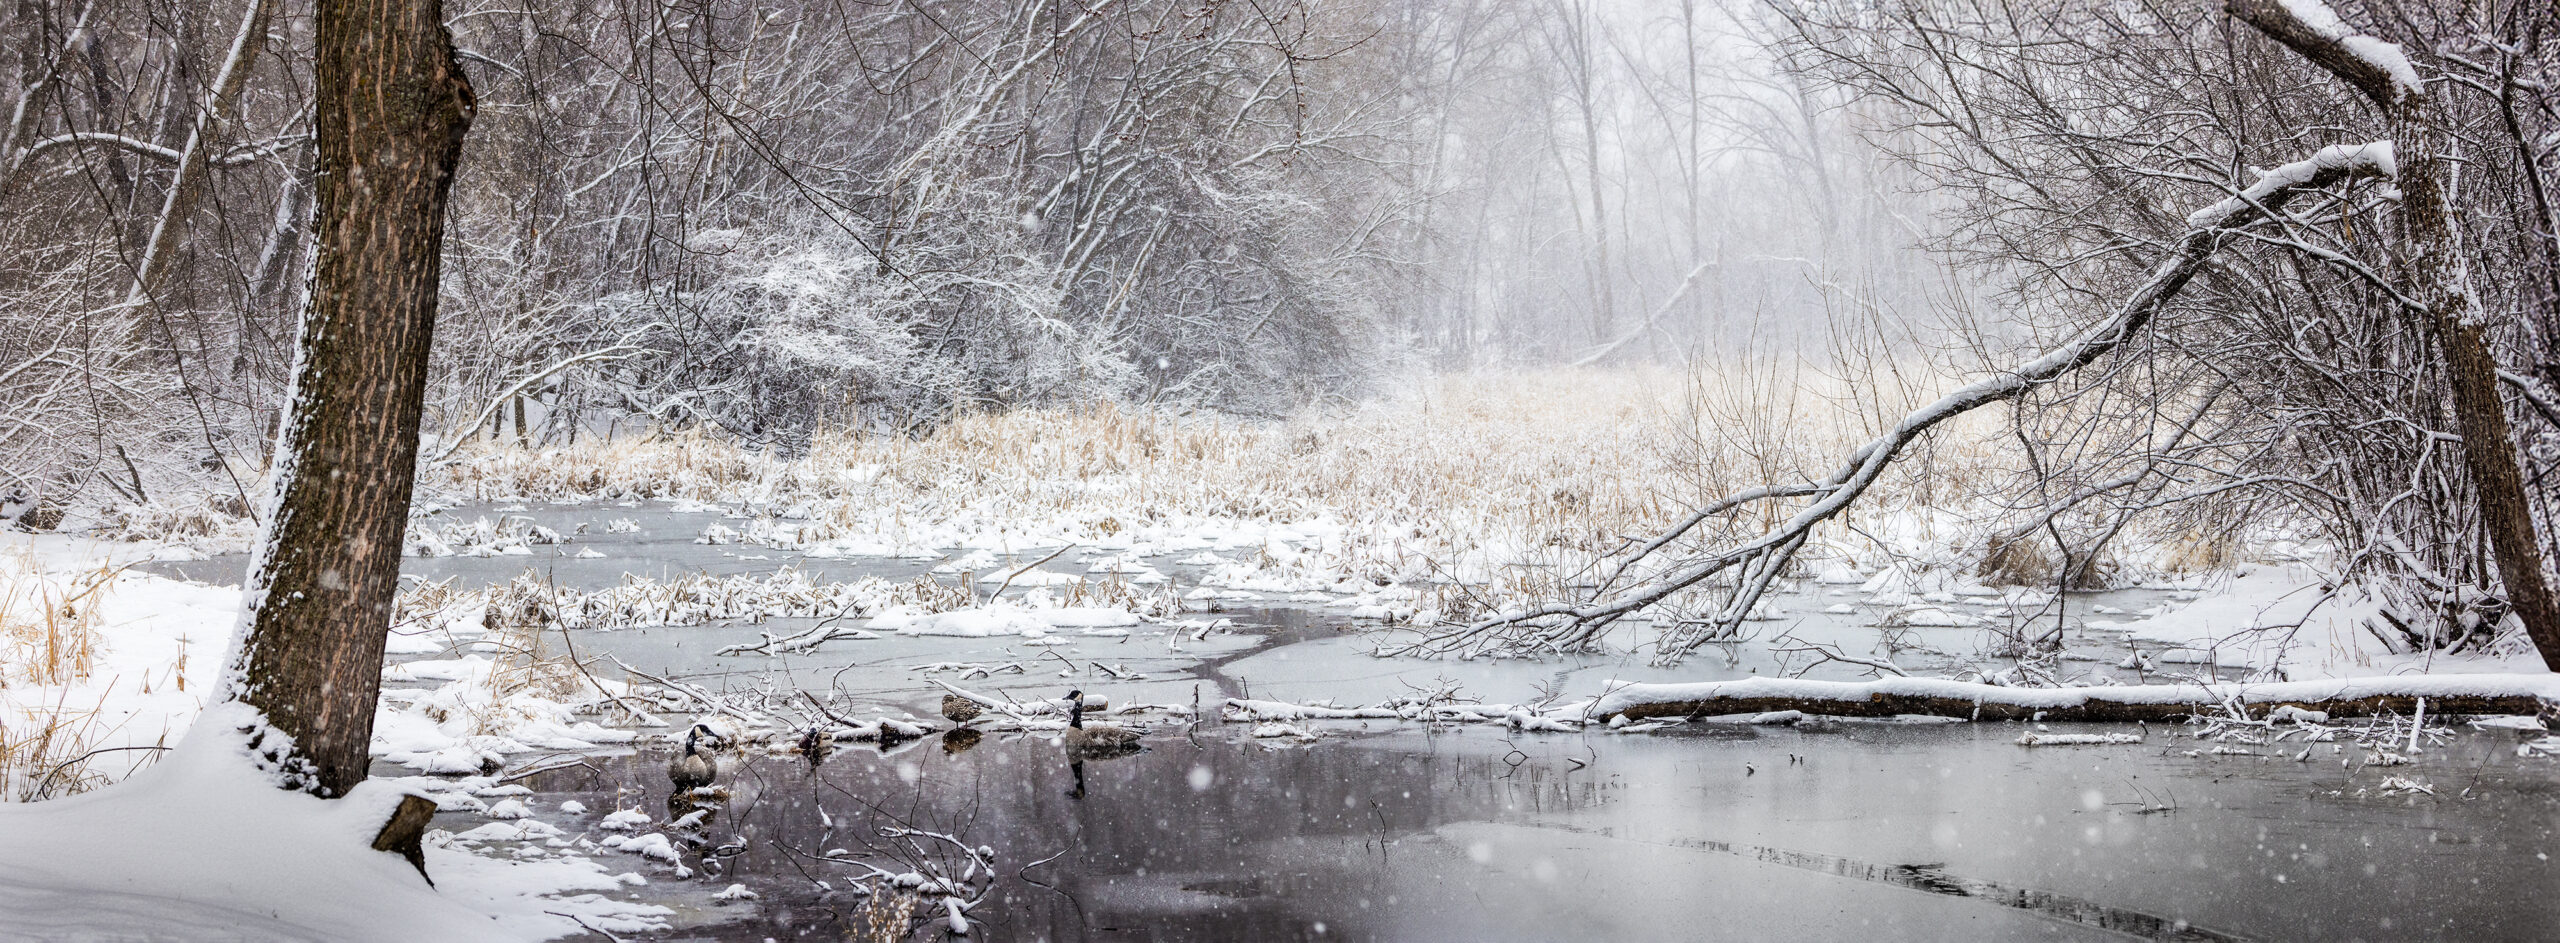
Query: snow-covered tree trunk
[
  {"x": 392, "y": 108},
  {"x": 2440, "y": 284}
]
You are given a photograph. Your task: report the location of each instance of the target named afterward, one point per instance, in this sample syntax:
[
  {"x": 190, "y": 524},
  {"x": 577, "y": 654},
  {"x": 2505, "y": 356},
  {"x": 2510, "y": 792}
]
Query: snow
[
  {"x": 2513, "y": 722},
  {"x": 2287, "y": 617},
  {"x": 1276, "y": 730},
  {"x": 203, "y": 846},
  {"x": 652, "y": 845},
  {"x": 1002, "y": 618},
  {"x": 509, "y": 809},
  {"x": 2374, "y": 159},
  {"x": 2388, "y": 58},
  {"x": 159, "y": 644},
  {"x": 1930, "y": 616},
  {"x": 2296, "y": 715},
  {"x": 1624, "y": 695},
  {"x": 2075, "y": 739},
  {"x": 517, "y": 831},
  {"x": 623, "y": 820}
]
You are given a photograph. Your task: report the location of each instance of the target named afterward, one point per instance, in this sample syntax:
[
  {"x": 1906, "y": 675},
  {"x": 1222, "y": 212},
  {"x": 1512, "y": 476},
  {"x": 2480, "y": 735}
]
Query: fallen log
[{"x": 1890, "y": 697}]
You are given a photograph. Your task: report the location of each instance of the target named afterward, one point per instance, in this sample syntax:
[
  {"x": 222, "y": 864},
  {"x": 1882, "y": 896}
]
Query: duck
[
  {"x": 1099, "y": 738},
  {"x": 694, "y": 768},
  {"x": 960, "y": 710}
]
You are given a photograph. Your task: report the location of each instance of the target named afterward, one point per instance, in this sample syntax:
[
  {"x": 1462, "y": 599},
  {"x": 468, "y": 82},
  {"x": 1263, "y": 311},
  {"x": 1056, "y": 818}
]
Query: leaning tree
[
  {"x": 392, "y": 106},
  {"x": 2008, "y": 119}
]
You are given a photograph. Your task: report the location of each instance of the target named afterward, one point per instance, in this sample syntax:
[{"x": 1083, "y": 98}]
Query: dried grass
[
  {"x": 53, "y": 752},
  {"x": 49, "y": 638},
  {"x": 48, "y": 631},
  {"x": 1512, "y": 483},
  {"x": 1567, "y": 460}
]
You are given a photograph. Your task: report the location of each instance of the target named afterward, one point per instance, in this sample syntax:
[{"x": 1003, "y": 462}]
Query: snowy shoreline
[{"x": 2338, "y": 697}]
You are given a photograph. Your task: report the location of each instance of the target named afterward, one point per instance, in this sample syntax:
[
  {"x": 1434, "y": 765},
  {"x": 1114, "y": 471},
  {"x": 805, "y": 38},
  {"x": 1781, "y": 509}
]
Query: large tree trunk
[
  {"x": 391, "y": 108},
  {"x": 2440, "y": 282}
]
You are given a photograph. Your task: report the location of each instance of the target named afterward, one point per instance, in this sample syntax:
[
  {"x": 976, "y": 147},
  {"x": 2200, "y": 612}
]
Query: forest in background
[
  {"x": 765, "y": 222},
  {"x": 771, "y": 220}
]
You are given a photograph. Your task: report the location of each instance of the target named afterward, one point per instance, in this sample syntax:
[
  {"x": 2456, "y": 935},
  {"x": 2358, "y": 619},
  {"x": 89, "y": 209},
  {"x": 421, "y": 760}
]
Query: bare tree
[
  {"x": 1753, "y": 564},
  {"x": 2441, "y": 291}
]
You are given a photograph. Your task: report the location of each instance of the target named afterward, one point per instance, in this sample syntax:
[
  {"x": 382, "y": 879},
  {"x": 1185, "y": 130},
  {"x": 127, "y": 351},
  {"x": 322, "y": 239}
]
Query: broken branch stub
[{"x": 406, "y": 830}]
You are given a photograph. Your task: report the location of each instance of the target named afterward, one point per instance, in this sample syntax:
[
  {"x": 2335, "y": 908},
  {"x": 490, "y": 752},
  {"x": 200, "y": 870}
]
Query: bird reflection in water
[{"x": 1099, "y": 754}]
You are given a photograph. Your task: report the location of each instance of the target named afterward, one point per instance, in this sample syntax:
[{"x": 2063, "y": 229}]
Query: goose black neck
[{"x": 1075, "y": 714}]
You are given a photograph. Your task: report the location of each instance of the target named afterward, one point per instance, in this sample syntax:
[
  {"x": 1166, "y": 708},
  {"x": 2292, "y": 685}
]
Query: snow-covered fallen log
[
  {"x": 1092, "y": 702},
  {"x": 2075, "y": 739},
  {"x": 1886, "y": 697},
  {"x": 802, "y": 643},
  {"x": 1243, "y": 709}
]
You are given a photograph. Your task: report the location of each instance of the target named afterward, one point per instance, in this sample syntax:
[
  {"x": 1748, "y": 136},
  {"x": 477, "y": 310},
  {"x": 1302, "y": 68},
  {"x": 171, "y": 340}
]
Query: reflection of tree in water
[{"x": 907, "y": 863}]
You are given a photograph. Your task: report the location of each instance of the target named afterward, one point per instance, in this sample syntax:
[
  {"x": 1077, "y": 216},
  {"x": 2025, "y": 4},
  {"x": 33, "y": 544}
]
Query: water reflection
[{"x": 1907, "y": 833}]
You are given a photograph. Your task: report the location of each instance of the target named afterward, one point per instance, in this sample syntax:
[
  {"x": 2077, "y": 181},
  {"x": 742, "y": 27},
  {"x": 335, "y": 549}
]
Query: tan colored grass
[
  {"x": 52, "y": 752},
  {"x": 1537, "y": 471},
  {"x": 1572, "y": 455},
  {"x": 2197, "y": 551},
  {"x": 49, "y": 638},
  {"x": 49, "y": 631}
]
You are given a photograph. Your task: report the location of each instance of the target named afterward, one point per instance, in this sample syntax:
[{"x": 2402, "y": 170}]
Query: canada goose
[
  {"x": 1099, "y": 738},
  {"x": 817, "y": 742},
  {"x": 959, "y": 709},
  {"x": 693, "y": 768}
]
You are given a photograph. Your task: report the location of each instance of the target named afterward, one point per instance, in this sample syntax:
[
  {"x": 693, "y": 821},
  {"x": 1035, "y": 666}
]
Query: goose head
[{"x": 699, "y": 734}]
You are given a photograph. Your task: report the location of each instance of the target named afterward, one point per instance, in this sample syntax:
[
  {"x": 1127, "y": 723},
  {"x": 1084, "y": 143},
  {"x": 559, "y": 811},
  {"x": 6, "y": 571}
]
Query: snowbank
[{"x": 203, "y": 846}]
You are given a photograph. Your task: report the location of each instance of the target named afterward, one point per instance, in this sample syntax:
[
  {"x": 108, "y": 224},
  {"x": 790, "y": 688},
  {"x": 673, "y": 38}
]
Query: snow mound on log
[{"x": 1002, "y": 619}]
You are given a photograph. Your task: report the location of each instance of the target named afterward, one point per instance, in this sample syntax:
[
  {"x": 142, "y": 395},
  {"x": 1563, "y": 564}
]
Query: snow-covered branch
[{"x": 2378, "y": 69}]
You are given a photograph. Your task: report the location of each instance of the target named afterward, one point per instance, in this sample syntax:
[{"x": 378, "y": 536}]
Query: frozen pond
[
  {"x": 1884, "y": 830},
  {"x": 1395, "y": 831}
]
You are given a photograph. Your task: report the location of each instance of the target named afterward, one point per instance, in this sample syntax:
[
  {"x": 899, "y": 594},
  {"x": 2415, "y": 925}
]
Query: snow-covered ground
[
  {"x": 202, "y": 846},
  {"x": 1000, "y": 560}
]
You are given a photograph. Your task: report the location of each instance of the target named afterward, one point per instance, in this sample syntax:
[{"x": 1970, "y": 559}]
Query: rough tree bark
[
  {"x": 391, "y": 109},
  {"x": 2440, "y": 277}
]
